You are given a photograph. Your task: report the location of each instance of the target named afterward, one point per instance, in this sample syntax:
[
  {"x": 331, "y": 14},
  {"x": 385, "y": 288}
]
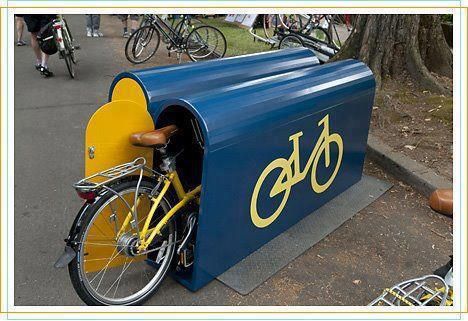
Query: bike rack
[{"x": 256, "y": 129}]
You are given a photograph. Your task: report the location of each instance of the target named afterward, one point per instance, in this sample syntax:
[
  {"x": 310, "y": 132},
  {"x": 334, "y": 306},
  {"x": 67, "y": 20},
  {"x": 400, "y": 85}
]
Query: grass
[{"x": 239, "y": 40}]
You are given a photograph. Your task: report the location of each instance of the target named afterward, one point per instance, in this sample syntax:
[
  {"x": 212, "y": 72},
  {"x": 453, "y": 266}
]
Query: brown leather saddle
[{"x": 154, "y": 138}]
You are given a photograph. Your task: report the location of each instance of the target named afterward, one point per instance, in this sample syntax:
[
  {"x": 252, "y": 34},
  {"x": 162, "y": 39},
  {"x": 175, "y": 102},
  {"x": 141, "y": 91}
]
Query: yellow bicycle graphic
[{"x": 287, "y": 167}]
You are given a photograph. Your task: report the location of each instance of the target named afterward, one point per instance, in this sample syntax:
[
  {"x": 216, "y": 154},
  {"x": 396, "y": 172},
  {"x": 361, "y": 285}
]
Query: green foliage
[
  {"x": 239, "y": 40},
  {"x": 447, "y": 18}
]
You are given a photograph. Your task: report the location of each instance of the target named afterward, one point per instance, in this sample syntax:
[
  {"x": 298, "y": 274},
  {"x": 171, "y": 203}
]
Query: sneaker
[
  {"x": 126, "y": 34},
  {"x": 97, "y": 34},
  {"x": 46, "y": 72},
  {"x": 21, "y": 43},
  {"x": 89, "y": 33},
  {"x": 38, "y": 67}
]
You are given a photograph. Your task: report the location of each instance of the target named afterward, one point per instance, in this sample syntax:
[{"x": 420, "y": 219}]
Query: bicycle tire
[
  {"x": 195, "y": 37},
  {"x": 142, "y": 36},
  {"x": 68, "y": 34},
  {"x": 291, "y": 41},
  {"x": 69, "y": 62},
  {"x": 76, "y": 267}
]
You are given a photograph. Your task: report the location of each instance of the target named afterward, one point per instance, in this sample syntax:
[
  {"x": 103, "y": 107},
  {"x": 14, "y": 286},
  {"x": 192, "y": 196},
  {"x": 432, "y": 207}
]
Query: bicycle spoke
[
  {"x": 112, "y": 273},
  {"x": 124, "y": 268}
]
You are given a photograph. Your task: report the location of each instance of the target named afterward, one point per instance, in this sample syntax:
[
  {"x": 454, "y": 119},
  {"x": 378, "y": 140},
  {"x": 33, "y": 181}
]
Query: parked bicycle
[
  {"x": 200, "y": 42},
  {"x": 64, "y": 41},
  {"x": 132, "y": 226}
]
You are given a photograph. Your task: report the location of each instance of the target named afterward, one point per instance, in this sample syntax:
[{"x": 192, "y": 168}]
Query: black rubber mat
[{"x": 256, "y": 268}]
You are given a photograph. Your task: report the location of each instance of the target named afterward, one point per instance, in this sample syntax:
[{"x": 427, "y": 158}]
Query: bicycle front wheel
[
  {"x": 107, "y": 269},
  {"x": 205, "y": 42},
  {"x": 69, "y": 62},
  {"x": 142, "y": 44},
  {"x": 69, "y": 39}
]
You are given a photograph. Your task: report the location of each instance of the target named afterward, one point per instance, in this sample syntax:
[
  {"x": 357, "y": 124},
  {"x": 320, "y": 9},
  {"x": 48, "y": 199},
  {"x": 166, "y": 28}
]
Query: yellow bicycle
[
  {"x": 127, "y": 234},
  {"x": 291, "y": 173}
]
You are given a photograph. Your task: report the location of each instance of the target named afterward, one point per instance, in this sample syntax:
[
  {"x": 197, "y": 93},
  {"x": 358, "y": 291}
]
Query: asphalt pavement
[{"x": 396, "y": 237}]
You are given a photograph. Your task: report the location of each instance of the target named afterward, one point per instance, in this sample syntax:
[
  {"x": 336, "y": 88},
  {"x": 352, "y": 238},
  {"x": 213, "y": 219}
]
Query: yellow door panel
[
  {"x": 129, "y": 89},
  {"x": 107, "y": 145},
  {"x": 107, "y": 135}
]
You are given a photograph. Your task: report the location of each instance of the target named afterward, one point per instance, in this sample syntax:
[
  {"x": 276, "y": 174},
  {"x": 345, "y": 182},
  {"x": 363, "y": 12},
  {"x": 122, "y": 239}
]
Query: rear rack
[
  {"x": 427, "y": 290},
  {"x": 98, "y": 180}
]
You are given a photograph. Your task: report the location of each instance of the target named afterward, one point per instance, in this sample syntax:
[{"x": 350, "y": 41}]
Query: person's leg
[
  {"x": 89, "y": 25},
  {"x": 20, "y": 30},
  {"x": 124, "y": 19},
  {"x": 36, "y": 49},
  {"x": 96, "y": 25},
  {"x": 135, "y": 19},
  {"x": 45, "y": 60},
  {"x": 44, "y": 20}
]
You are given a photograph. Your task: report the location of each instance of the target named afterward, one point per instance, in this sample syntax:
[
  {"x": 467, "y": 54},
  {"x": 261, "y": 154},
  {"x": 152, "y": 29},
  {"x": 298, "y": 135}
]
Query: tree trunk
[{"x": 396, "y": 45}]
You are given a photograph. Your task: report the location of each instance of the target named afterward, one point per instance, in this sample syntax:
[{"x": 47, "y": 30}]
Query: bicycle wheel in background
[
  {"x": 205, "y": 42},
  {"x": 142, "y": 44},
  {"x": 67, "y": 34},
  {"x": 68, "y": 54},
  {"x": 291, "y": 41}
]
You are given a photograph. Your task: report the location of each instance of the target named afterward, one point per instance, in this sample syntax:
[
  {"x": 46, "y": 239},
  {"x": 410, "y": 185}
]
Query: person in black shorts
[{"x": 35, "y": 22}]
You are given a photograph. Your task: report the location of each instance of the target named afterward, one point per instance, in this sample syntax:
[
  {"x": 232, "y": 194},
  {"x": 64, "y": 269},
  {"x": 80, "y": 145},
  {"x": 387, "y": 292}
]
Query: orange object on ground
[{"x": 441, "y": 201}]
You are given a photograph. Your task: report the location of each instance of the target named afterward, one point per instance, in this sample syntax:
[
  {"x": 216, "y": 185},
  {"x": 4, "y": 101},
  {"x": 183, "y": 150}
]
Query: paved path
[{"x": 396, "y": 237}]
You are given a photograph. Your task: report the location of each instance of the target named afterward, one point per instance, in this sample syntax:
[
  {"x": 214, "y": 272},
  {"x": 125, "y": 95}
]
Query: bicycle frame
[
  {"x": 58, "y": 27},
  {"x": 184, "y": 199},
  {"x": 177, "y": 39}
]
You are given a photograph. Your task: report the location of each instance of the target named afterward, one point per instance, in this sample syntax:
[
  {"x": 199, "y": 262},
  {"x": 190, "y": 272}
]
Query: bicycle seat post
[{"x": 168, "y": 163}]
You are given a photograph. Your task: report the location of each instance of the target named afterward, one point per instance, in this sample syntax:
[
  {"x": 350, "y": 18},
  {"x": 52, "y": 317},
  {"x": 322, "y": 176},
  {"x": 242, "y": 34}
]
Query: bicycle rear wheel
[
  {"x": 107, "y": 269},
  {"x": 142, "y": 44},
  {"x": 205, "y": 42},
  {"x": 291, "y": 41}
]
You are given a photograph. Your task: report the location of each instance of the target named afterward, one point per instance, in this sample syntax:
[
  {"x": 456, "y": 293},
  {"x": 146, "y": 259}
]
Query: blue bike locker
[
  {"x": 151, "y": 86},
  {"x": 268, "y": 148}
]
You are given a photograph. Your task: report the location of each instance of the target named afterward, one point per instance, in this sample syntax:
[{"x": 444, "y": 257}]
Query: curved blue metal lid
[
  {"x": 165, "y": 82},
  {"x": 228, "y": 113}
]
